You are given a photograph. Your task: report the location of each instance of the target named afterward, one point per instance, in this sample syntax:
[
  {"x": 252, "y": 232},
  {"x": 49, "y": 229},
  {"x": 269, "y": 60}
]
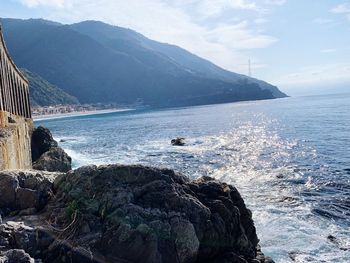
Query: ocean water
[{"x": 289, "y": 158}]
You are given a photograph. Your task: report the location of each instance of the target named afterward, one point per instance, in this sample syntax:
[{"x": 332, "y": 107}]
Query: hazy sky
[{"x": 299, "y": 45}]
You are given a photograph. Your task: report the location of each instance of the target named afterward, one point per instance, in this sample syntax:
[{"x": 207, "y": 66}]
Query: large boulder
[
  {"x": 139, "y": 214},
  {"x": 46, "y": 155},
  {"x": 54, "y": 160},
  {"x": 42, "y": 141}
]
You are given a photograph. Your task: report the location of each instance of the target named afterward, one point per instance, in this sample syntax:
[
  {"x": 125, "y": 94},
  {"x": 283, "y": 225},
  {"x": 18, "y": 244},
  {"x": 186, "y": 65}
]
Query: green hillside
[{"x": 43, "y": 93}]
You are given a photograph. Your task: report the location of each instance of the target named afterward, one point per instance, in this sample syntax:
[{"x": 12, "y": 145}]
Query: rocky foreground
[{"x": 122, "y": 214}]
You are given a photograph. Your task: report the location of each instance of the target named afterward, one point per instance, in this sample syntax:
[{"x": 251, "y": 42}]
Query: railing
[{"x": 14, "y": 90}]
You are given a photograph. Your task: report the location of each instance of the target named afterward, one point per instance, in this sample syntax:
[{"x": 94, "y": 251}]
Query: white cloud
[
  {"x": 220, "y": 5},
  {"x": 330, "y": 50},
  {"x": 341, "y": 9},
  {"x": 260, "y": 21},
  {"x": 49, "y": 3},
  {"x": 317, "y": 74},
  {"x": 322, "y": 21},
  {"x": 210, "y": 8},
  {"x": 239, "y": 37},
  {"x": 275, "y": 2}
]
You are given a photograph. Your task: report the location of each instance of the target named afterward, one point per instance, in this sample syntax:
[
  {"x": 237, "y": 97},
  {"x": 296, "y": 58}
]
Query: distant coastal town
[{"x": 67, "y": 109}]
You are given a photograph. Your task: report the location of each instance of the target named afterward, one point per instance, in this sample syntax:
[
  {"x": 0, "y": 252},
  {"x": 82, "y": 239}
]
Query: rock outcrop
[
  {"x": 46, "y": 154},
  {"x": 141, "y": 214},
  {"x": 178, "y": 142},
  {"x": 120, "y": 214}
]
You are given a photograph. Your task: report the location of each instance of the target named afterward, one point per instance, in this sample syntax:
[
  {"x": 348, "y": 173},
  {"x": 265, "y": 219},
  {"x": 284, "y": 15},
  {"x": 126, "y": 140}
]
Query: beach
[{"x": 76, "y": 114}]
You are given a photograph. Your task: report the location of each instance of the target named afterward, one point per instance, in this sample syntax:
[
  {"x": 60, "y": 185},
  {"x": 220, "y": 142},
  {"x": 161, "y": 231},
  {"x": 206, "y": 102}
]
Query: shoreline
[{"x": 76, "y": 114}]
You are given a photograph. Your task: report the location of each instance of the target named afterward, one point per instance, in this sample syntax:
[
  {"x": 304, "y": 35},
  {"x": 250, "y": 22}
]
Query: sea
[{"x": 289, "y": 158}]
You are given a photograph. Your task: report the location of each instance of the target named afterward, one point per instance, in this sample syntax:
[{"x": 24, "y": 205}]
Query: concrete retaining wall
[
  {"x": 16, "y": 124},
  {"x": 15, "y": 142}
]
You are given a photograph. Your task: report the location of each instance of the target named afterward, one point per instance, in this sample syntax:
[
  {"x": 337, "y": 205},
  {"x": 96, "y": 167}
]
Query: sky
[{"x": 302, "y": 46}]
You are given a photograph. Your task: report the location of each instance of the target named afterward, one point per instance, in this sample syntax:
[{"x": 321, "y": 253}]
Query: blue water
[{"x": 289, "y": 158}]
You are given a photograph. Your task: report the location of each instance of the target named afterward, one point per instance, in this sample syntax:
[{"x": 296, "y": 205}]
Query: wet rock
[
  {"x": 178, "y": 142},
  {"x": 293, "y": 255},
  {"x": 336, "y": 242},
  {"x": 142, "y": 214},
  {"x": 42, "y": 141},
  {"x": 260, "y": 257},
  {"x": 332, "y": 238},
  {"x": 54, "y": 160},
  {"x": 287, "y": 199}
]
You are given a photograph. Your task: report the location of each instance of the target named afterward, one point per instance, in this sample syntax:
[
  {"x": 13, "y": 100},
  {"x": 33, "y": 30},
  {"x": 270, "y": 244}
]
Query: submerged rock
[
  {"x": 337, "y": 242},
  {"x": 178, "y": 142}
]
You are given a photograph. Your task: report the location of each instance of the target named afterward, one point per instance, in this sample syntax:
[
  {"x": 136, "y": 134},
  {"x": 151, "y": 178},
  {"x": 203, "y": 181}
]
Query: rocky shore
[{"x": 118, "y": 213}]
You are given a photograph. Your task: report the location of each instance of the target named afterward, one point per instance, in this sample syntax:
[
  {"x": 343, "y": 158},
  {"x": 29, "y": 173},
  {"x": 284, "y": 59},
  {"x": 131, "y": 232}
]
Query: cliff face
[{"x": 15, "y": 136}]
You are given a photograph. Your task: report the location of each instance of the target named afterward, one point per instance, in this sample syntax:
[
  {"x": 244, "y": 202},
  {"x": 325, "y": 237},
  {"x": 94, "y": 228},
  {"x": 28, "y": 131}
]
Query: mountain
[
  {"x": 126, "y": 40},
  {"x": 96, "y": 62},
  {"x": 43, "y": 93}
]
